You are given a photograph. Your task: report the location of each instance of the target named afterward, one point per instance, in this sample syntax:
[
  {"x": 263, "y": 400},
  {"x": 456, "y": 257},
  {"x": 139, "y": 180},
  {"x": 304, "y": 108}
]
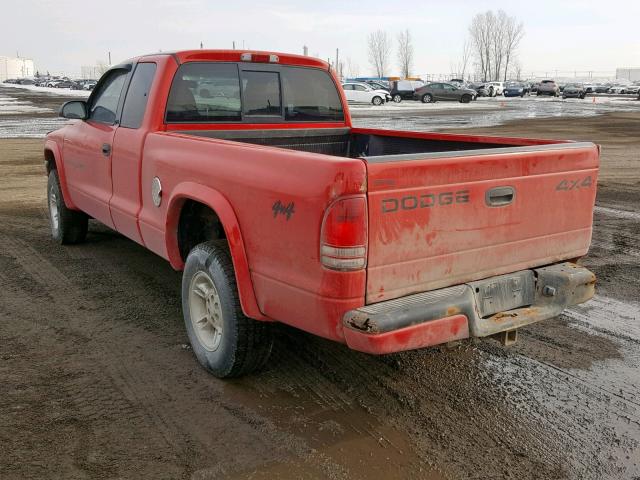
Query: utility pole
[
  {"x": 234, "y": 44},
  {"x": 337, "y": 72},
  {"x": 201, "y": 46},
  {"x": 305, "y": 50},
  {"x": 109, "y": 58}
]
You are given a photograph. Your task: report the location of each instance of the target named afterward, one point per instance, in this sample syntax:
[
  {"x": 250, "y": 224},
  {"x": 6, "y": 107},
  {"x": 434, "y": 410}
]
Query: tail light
[{"x": 344, "y": 235}]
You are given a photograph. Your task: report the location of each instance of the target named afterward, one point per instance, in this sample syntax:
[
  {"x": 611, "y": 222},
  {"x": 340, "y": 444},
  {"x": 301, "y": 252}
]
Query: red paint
[{"x": 434, "y": 332}]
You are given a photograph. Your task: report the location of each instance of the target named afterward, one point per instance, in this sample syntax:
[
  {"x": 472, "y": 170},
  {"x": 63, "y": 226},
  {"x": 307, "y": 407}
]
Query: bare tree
[
  {"x": 379, "y": 51},
  {"x": 494, "y": 38},
  {"x": 352, "y": 68},
  {"x": 513, "y": 34},
  {"x": 467, "y": 51},
  {"x": 405, "y": 53}
]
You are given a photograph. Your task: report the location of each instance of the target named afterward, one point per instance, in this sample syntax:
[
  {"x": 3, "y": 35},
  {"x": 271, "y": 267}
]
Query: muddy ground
[{"x": 97, "y": 379}]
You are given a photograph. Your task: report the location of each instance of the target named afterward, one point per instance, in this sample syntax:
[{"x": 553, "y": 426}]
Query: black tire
[
  {"x": 244, "y": 344},
  {"x": 427, "y": 98},
  {"x": 465, "y": 99},
  {"x": 67, "y": 226},
  {"x": 397, "y": 98},
  {"x": 377, "y": 101}
]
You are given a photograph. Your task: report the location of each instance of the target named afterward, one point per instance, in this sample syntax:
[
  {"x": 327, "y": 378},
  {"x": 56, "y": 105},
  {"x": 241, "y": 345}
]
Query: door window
[
  {"x": 105, "y": 106},
  {"x": 136, "y": 101},
  {"x": 359, "y": 88}
]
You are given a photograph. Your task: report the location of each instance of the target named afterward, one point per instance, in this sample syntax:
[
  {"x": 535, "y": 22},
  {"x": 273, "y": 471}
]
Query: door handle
[
  {"x": 106, "y": 149},
  {"x": 500, "y": 196}
]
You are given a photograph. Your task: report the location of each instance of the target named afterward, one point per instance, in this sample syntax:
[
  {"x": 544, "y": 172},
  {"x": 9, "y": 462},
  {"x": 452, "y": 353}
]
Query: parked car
[
  {"x": 480, "y": 89},
  {"x": 589, "y": 87},
  {"x": 52, "y": 83},
  {"x": 574, "y": 90},
  {"x": 437, "y": 91},
  {"x": 89, "y": 85},
  {"x": 516, "y": 89},
  {"x": 548, "y": 87},
  {"x": 602, "y": 89},
  {"x": 377, "y": 85},
  {"x": 67, "y": 84},
  {"x": 298, "y": 217},
  {"x": 404, "y": 89},
  {"x": 26, "y": 81},
  {"x": 498, "y": 87},
  {"x": 632, "y": 89},
  {"x": 362, "y": 93},
  {"x": 618, "y": 89},
  {"x": 533, "y": 87}
]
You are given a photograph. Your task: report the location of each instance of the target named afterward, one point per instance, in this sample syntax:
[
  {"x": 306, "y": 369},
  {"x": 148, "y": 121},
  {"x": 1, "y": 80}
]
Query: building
[
  {"x": 631, "y": 74},
  {"x": 12, "y": 67}
]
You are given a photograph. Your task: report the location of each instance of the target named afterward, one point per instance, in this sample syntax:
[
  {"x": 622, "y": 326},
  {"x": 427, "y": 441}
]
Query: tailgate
[{"x": 442, "y": 219}]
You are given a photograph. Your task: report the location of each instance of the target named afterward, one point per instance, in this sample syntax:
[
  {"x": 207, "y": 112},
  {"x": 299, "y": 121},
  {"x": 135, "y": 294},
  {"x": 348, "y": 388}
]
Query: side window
[
  {"x": 359, "y": 88},
  {"x": 261, "y": 93},
  {"x": 104, "y": 107},
  {"x": 205, "y": 92},
  {"x": 348, "y": 86},
  {"x": 135, "y": 103}
]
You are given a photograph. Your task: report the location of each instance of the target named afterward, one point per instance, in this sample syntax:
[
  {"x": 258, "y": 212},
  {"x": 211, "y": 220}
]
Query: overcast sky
[{"x": 564, "y": 35}]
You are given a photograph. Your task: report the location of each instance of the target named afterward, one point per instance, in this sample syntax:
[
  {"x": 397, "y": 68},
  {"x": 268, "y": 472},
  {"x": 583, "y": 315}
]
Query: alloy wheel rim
[{"x": 205, "y": 311}]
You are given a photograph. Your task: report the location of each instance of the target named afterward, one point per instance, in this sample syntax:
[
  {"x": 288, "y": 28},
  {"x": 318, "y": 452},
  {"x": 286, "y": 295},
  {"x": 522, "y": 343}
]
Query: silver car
[{"x": 548, "y": 87}]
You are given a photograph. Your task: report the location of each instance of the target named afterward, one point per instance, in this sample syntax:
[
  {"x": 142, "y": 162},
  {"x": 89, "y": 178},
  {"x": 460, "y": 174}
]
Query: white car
[
  {"x": 618, "y": 89},
  {"x": 357, "y": 92},
  {"x": 498, "y": 87}
]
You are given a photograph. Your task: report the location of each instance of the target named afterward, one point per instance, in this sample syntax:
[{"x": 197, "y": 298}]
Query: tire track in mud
[{"x": 129, "y": 393}]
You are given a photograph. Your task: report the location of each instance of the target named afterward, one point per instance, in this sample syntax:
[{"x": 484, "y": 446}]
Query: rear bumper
[{"x": 467, "y": 310}]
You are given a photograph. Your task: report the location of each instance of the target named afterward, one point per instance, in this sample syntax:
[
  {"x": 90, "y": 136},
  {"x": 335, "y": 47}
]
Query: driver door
[{"x": 87, "y": 148}]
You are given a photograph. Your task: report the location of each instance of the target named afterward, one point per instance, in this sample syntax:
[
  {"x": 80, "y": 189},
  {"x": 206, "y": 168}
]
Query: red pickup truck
[{"x": 243, "y": 170}]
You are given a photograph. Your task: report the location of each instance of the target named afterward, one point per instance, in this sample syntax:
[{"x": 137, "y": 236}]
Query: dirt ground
[{"x": 97, "y": 379}]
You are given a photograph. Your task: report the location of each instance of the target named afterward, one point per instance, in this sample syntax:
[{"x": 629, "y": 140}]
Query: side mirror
[{"x": 75, "y": 109}]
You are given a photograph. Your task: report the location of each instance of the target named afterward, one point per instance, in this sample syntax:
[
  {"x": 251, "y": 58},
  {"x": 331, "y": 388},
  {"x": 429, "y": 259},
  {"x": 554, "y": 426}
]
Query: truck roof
[{"x": 200, "y": 55}]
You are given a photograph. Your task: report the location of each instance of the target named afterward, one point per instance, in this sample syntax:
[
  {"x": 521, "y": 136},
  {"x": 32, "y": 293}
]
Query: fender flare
[
  {"x": 223, "y": 209},
  {"x": 53, "y": 147}
]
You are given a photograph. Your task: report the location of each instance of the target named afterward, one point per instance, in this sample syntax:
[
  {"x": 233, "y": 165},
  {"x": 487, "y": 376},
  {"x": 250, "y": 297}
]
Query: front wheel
[
  {"x": 67, "y": 226},
  {"x": 377, "y": 101},
  {"x": 397, "y": 98},
  {"x": 225, "y": 341},
  {"x": 427, "y": 98},
  {"x": 465, "y": 99}
]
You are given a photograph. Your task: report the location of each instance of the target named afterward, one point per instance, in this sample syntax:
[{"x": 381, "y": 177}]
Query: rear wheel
[
  {"x": 427, "y": 98},
  {"x": 67, "y": 226},
  {"x": 465, "y": 99},
  {"x": 377, "y": 101},
  {"x": 397, "y": 98},
  {"x": 224, "y": 340}
]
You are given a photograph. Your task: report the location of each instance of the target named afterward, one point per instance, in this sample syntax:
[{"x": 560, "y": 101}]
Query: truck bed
[{"x": 366, "y": 143}]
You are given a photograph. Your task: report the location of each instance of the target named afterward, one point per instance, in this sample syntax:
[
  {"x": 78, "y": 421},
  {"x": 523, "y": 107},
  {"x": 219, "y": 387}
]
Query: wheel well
[
  {"x": 50, "y": 161},
  {"x": 198, "y": 223}
]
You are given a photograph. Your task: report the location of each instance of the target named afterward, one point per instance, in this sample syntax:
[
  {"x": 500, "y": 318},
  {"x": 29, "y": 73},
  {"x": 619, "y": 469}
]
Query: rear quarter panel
[{"x": 282, "y": 250}]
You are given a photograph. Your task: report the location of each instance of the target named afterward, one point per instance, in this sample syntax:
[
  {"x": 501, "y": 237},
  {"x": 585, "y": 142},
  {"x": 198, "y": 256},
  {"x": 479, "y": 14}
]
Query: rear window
[
  {"x": 205, "y": 92},
  {"x": 310, "y": 95},
  {"x": 222, "y": 92}
]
